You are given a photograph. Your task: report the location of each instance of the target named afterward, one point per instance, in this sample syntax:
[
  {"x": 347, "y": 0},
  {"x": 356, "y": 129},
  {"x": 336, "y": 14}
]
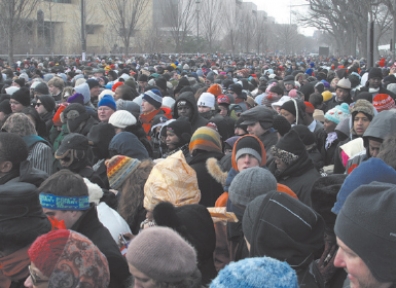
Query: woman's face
[
  {"x": 171, "y": 140},
  {"x": 289, "y": 116},
  {"x": 36, "y": 278}
]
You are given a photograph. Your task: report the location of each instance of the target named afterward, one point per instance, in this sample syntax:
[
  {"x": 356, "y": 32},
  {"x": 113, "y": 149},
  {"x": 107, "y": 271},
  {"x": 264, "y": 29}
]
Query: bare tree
[
  {"x": 262, "y": 29},
  {"x": 177, "y": 18},
  {"x": 125, "y": 17},
  {"x": 212, "y": 20},
  {"x": 14, "y": 14},
  {"x": 287, "y": 36}
]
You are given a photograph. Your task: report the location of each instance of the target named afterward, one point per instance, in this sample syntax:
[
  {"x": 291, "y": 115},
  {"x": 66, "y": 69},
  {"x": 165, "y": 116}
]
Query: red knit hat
[
  {"x": 57, "y": 120},
  {"x": 309, "y": 108},
  {"x": 383, "y": 102},
  {"x": 47, "y": 249},
  {"x": 116, "y": 85},
  {"x": 215, "y": 89}
]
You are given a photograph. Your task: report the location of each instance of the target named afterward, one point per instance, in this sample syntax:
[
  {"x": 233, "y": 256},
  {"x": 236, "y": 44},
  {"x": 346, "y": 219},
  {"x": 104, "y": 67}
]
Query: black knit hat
[
  {"x": 236, "y": 88},
  {"x": 5, "y": 107},
  {"x": 182, "y": 128},
  {"x": 307, "y": 137},
  {"x": 48, "y": 102},
  {"x": 281, "y": 125},
  {"x": 143, "y": 78},
  {"x": 20, "y": 81},
  {"x": 100, "y": 137},
  {"x": 92, "y": 83},
  {"x": 41, "y": 88},
  {"x": 289, "y": 148},
  {"x": 22, "y": 96},
  {"x": 375, "y": 72},
  {"x": 289, "y": 106},
  {"x": 248, "y": 145}
]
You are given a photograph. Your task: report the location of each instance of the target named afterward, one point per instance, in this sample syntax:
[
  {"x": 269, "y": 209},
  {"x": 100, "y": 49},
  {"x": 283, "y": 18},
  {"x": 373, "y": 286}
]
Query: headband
[{"x": 56, "y": 202}]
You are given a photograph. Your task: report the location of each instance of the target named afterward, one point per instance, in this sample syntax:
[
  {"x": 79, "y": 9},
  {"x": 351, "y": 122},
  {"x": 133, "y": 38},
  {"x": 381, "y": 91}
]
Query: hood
[
  {"x": 84, "y": 90},
  {"x": 29, "y": 174},
  {"x": 127, "y": 144},
  {"x": 188, "y": 97},
  {"x": 383, "y": 124}
]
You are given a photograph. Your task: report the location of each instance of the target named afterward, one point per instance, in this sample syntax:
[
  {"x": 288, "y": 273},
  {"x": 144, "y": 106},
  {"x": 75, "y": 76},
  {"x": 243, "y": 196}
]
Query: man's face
[
  {"x": 117, "y": 93},
  {"x": 69, "y": 217},
  {"x": 223, "y": 110},
  {"x": 256, "y": 129},
  {"x": 342, "y": 94},
  {"x": 142, "y": 84},
  {"x": 16, "y": 106},
  {"x": 185, "y": 110},
  {"x": 359, "y": 274},
  {"x": 329, "y": 126},
  {"x": 374, "y": 148},
  {"x": 95, "y": 91},
  {"x": 374, "y": 82},
  {"x": 289, "y": 86},
  {"x": 147, "y": 107},
  {"x": 53, "y": 90},
  {"x": 203, "y": 109},
  {"x": 104, "y": 113},
  {"x": 247, "y": 161},
  {"x": 360, "y": 123}
]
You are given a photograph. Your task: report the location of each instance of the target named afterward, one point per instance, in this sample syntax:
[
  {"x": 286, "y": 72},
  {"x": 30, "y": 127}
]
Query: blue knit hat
[
  {"x": 108, "y": 100},
  {"x": 154, "y": 97},
  {"x": 260, "y": 272},
  {"x": 338, "y": 113},
  {"x": 369, "y": 171}
]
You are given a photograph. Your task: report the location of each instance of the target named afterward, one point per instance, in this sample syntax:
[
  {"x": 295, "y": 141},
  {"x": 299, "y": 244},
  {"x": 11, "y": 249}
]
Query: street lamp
[{"x": 197, "y": 2}]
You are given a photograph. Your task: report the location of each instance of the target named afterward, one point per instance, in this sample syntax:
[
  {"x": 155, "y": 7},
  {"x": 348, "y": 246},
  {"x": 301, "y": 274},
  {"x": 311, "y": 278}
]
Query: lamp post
[
  {"x": 83, "y": 36},
  {"x": 198, "y": 2}
]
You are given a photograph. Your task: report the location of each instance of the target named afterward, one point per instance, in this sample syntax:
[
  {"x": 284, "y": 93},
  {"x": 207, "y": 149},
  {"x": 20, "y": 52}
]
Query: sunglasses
[
  {"x": 38, "y": 104},
  {"x": 35, "y": 279}
]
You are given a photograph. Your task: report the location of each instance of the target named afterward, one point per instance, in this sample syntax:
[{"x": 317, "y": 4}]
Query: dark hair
[
  {"x": 13, "y": 149},
  {"x": 39, "y": 124},
  {"x": 127, "y": 92},
  {"x": 65, "y": 183},
  {"x": 388, "y": 150},
  {"x": 277, "y": 89},
  {"x": 316, "y": 100}
]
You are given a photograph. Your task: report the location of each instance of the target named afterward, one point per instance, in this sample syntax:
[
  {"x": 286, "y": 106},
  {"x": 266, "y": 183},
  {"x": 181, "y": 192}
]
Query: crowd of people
[{"x": 197, "y": 172}]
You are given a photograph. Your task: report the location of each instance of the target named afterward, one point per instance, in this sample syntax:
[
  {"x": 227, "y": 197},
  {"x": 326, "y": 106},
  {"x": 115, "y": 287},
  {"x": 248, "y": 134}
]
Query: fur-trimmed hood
[{"x": 214, "y": 169}]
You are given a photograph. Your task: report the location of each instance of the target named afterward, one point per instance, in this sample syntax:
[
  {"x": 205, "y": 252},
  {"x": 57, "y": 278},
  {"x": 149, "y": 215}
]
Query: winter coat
[
  {"x": 47, "y": 119},
  {"x": 147, "y": 119},
  {"x": 40, "y": 153},
  {"x": 90, "y": 226},
  {"x": 269, "y": 139},
  {"x": 127, "y": 144},
  {"x": 210, "y": 188},
  {"x": 196, "y": 120},
  {"x": 327, "y": 154}
]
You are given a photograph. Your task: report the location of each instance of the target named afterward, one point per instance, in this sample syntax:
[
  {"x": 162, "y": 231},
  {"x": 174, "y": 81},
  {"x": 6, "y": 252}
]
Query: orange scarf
[{"x": 14, "y": 267}]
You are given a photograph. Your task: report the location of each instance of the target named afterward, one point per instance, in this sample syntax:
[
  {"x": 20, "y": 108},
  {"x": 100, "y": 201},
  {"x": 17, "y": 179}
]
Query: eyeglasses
[
  {"x": 35, "y": 279},
  {"x": 38, "y": 104}
]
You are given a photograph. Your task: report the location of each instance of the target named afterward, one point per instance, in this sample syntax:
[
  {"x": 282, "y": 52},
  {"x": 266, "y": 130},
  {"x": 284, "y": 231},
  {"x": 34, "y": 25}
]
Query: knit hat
[
  {"x": 327, "y": 95},
  {"x": 122, "y": 119},
  {"x": 41, "y": 88},
  {"x": 363, "y": 106},
  {"x": 375, "y": 72},
  {"x": 289, "y": 79},
  {"x": 119, "y": 168},
  {"x": 48, "y": 102},
  {"x": 279, "y": 226},
  {"x": 154, "y": 97},
  {"x": 344, "y": 83},
  {"x": 116, "y": 85},
  {"x": 236, "y": 88},
  {"x": 5, "y": 107},
  {"x": 182, "y": 128},
  {"x": 260, "y": 272},
  {"x": 162, "y": 255},
  {"x": 19, "y": 124},
  {"x": 338, "y": 113},
  {"x": 57, "y": 119},
  {"x": 289, "y": 148},
  {"x": 367, "y": 220},
  {"x": 374, "y": 169},
  {"x": 318, "y": 115},
  {"x": 250, "y": 183},
  {"x": 108, "y": 100},
  {"x": 22, "y": 96},
  {"x": 248, "y": 144},
  {"x": 307, "y": 137},
  {"x": 215, "y": 89},
  {"x": 54, "y": 255},
  {"x": 289, "y": 106},
  {"x": 207, "y": 100},
  {"x": 309, "y": 108},
  {"x": 207, "y": 139},
  {"x": 171, "y": 180},
  {"x": 76, "y": 98},
  {"x": 383, "y": 102},
  {"x": 281, "y": 125},
  {"x": 92, "y": 83}
]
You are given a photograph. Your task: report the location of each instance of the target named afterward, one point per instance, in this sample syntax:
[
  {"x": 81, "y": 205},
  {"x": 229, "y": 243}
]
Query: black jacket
[
  {"x": 90, "y": 226},
  {"x": 210, "y": 188},
  {"x": 196, "y": 120}
]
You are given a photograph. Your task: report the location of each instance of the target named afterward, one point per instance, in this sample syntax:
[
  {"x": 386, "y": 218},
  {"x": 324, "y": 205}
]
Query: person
[
  {"x": 186, "y": 106},
  {"x": 178, "y": 135},
  {"x": 94, "y": 91},
  {"x": 343, "y": 94},
  {"x": 40, "y": 152},
  {"x": 259, "y": 122},
  {"x": 45, "y": 106},
  {"x": 159, "y": 257},
  {"x": 77, "y": 118},
  {"x": 259, "y": 272},
  {"x": 205, "y": 143},
  {"x": 106, "y": 107},
  {"x": 293, "y": 111},
  {"x": 55, "y": 87},
  {"x": 53, "y": 255},
  {"x": 206, "y": 105},
  {"x": 374, "y": 85},
  {"x": 20, "y": 100},
  {"x": 21, "y": 221},
  {"x": 293, "y": 167},
  {"x": 356, "y": 231},
  {"x": 64, "y": 196},
  {"x": 127, "y": 144},
  {"x": 279, "y": 226},
  {"x": 128, "y": 176}
]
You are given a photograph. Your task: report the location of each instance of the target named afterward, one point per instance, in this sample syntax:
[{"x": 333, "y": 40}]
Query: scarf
[
  {"x": 331, "y": 137},
  {"x": 14, "y": 267}
]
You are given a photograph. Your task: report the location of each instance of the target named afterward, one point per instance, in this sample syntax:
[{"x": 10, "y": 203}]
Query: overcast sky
[{"x": 280, "y": 10}]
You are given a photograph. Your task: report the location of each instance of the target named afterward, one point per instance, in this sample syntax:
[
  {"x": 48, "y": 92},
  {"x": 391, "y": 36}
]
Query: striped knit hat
[
  {"x": 207, "y": 139},
  {"x": 119, "y": 167},
  {"x": 154, "y": 97},
  {"x": 383, "y": 102}
]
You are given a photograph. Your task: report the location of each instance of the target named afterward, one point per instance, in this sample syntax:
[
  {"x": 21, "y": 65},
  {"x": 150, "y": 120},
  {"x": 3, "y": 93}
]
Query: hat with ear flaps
[
  {"x": 182, "y": 128},
  {"x": 248, "y": 144}
]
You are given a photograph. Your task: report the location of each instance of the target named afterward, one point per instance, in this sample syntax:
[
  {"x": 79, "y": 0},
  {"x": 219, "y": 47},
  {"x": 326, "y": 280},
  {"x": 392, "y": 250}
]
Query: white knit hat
[
  {"x": 206, "y": 99},
  {"x": 122, "y": 119}
]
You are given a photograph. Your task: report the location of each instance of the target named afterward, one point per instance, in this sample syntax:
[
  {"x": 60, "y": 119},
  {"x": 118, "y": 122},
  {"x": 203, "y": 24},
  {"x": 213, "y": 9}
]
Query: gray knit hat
[
  {"x": 162, "y": 254},
  {"x": 249, "y": 184},
  {"x": 366, "y": 224}
]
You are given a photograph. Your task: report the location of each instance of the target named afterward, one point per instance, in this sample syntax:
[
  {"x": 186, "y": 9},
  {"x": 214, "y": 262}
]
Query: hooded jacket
[
  {"x": 196, "y": 120},
  {"x": 84, "y": 90},
  {"x": 127, "y": 144}
]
